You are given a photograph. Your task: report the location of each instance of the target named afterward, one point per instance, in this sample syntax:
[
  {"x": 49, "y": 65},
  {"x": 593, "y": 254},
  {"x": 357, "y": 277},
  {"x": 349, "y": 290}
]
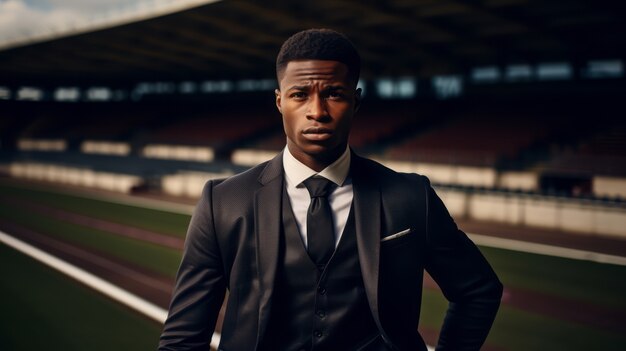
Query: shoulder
[
  {"x": 241, "y": 182},
  {"x": 383, "y": 175},
  {"x": 230, "y": 196}
]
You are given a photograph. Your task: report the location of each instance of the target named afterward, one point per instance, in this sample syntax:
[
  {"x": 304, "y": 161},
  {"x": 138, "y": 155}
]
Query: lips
[
  {"x": 317, "y": 130},
  {"x": 317, "y": 133}
]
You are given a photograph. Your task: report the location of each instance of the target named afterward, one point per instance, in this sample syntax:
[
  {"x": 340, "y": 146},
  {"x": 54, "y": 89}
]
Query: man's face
[{"x": 317, "y": 101}]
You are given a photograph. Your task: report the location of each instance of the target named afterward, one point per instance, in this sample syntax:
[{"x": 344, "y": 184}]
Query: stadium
[{"x": 110, "y": 128}]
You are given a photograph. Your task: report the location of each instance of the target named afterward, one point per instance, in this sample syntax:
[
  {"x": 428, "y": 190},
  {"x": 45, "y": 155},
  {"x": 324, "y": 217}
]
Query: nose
[{"x": 317, "y": 109}]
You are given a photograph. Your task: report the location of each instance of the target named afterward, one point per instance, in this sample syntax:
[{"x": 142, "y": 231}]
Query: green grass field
[
  {"x": 159, "y": 221},
  {"x": 515, "y": 329},
  {"x": 45, "y": 310}
]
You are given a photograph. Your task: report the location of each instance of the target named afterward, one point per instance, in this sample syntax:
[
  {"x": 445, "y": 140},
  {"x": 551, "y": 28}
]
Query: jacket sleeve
[
  {"x": 465, "y": 278},
  {"x": 200, "y": 284}
]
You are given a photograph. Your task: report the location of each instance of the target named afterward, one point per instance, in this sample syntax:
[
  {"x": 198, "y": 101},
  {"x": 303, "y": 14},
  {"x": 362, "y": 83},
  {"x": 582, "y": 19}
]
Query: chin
[
  {"x": 320, "y": 149},
  {"x": 317, "y": 149}
]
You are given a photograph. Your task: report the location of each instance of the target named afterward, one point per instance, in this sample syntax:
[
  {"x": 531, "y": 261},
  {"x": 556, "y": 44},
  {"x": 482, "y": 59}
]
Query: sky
[{"x": 21, "y": 20}]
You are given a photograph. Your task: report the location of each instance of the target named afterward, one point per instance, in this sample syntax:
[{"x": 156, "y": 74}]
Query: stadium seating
[
  {"x": 508, "y": 144},
  {"x": 216, "y": 131},
  {"x": 473, "y": 140},
  {"x": 602, "y": 153}
]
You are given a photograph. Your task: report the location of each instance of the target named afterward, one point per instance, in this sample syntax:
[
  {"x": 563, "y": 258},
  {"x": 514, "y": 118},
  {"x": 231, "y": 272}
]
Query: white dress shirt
[{"x": 340, "y": 198}]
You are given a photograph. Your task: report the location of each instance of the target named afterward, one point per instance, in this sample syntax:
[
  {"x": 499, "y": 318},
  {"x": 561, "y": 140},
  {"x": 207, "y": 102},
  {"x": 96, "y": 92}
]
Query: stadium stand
[
  {"x": 376, "y": 124},
  {"x": 594, "y": 164},
  {"x": 274, "y": 142},
  {"x": 215, "y": 130},
  {"x": 603, "y": 153},
  {"x": 516, "y": 135},
  {"x": 477, "y": 135}
]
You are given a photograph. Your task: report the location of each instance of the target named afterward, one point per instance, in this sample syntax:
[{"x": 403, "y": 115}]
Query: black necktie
[{"x": 319, "y": 221}]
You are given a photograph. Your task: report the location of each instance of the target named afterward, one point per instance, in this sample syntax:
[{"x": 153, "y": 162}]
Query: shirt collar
[{"x": 297, "y": 172}]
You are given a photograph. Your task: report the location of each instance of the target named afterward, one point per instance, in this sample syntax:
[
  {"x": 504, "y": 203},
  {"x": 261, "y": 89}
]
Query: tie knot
[{"x": 318, "y": 187}]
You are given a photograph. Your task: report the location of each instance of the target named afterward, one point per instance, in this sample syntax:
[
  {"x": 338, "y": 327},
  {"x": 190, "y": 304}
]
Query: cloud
[
  {"x": 21, "y": 20},
  {"x": 24, "y": 20},
  {"x": 90, "y": 6},
  {"x": 18, "y": 20}
]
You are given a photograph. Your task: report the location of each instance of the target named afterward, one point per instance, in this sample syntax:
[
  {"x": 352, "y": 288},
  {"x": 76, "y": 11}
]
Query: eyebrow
[
  {"x": 335, "y": 87},
  {"x": 299, "y": 87},
  {"x": 326, "y": 87}
]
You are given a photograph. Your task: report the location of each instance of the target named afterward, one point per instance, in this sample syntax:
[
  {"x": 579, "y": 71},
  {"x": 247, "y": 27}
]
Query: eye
[
  {"x": 298, "y": 95},
  {"x": 335, "y": 95}
]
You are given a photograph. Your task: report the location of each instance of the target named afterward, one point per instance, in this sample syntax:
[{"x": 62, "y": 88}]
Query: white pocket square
[{"x": 396, "y": 235}]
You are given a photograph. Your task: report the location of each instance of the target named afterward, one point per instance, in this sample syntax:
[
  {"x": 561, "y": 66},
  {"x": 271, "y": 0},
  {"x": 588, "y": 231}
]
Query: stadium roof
[{"x": 240, "y": 38}]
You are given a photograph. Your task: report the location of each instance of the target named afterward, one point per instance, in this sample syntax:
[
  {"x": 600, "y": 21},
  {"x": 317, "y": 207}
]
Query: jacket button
[
  {"x": 317, "y": 333},
  {"x": 321, "y": 313},
  {"x": 321, "y": 290}
]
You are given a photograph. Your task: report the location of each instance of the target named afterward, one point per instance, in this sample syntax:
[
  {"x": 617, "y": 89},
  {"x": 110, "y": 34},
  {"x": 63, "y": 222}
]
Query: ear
[
  {"x": 357, "y": 100},
  {"x": 278, "y": 101}
]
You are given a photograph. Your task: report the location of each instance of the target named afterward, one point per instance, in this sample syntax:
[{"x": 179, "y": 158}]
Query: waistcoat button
[{"x": 318, "y": 334}]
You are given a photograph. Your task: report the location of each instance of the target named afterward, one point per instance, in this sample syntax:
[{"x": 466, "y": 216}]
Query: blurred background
[{"x": 113, "y": 114}]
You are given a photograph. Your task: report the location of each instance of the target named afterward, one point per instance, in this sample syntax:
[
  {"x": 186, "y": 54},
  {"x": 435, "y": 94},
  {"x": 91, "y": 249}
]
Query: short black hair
[{"x": 319, "y": 44}]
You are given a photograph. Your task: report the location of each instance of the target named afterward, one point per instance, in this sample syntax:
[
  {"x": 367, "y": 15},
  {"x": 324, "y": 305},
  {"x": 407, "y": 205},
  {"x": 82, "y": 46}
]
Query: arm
[
  {"x": 465, "y": 278},
  {"x": 200, "y": 286}
]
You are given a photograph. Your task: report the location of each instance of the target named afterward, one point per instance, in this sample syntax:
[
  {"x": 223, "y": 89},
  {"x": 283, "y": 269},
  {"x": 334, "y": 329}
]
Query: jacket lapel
[
  {"x": 267, "y": 223},
  {"x": 267, "y": 217},
  {"x": 367, "y": 211}
]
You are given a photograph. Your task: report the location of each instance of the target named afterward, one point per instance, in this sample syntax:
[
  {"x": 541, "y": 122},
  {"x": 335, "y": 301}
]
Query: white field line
[
  {"x": 112, "y": 291},
  {"x": 129, "y": 200},
  {"x": 152, "y": 204},
  {"x": 549, "y": 250},
  {"x": 116, "y": 293}
]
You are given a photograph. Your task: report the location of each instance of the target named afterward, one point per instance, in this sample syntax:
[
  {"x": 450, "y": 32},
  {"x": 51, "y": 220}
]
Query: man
[{"x": 319, "y": 248}]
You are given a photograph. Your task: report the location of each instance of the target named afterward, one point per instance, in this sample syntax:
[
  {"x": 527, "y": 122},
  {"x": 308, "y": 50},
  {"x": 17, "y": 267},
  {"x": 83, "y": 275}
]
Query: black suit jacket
[{"x": 232, "y": 244}]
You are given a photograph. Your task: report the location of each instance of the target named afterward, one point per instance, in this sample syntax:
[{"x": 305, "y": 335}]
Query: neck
[{"x": 318, "y": 162}]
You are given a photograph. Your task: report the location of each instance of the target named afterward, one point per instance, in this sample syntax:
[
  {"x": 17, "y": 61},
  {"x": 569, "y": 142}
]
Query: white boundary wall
[
  {"x": 518, "y": 180},
  {"x": 437, "y": 173},
  {"x": 74, "y": 176},
  {"x": 105, "y": 147},
  {"x": 251, "y": 157},
  {"x": 179, "y": 152},
  {"x": 609, "y": 186},
  {"x": 54, "y": 145},
  {"x": 188, "y": 183},
  {"x": 466, "y": 175},
  {"x": 571, "y": 215},
  {"x": 536, "y": 211}
]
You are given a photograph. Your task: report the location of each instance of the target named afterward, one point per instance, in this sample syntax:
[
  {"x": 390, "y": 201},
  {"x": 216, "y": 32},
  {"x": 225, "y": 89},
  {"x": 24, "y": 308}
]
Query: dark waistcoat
[{"x": 318, "y": 308}]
